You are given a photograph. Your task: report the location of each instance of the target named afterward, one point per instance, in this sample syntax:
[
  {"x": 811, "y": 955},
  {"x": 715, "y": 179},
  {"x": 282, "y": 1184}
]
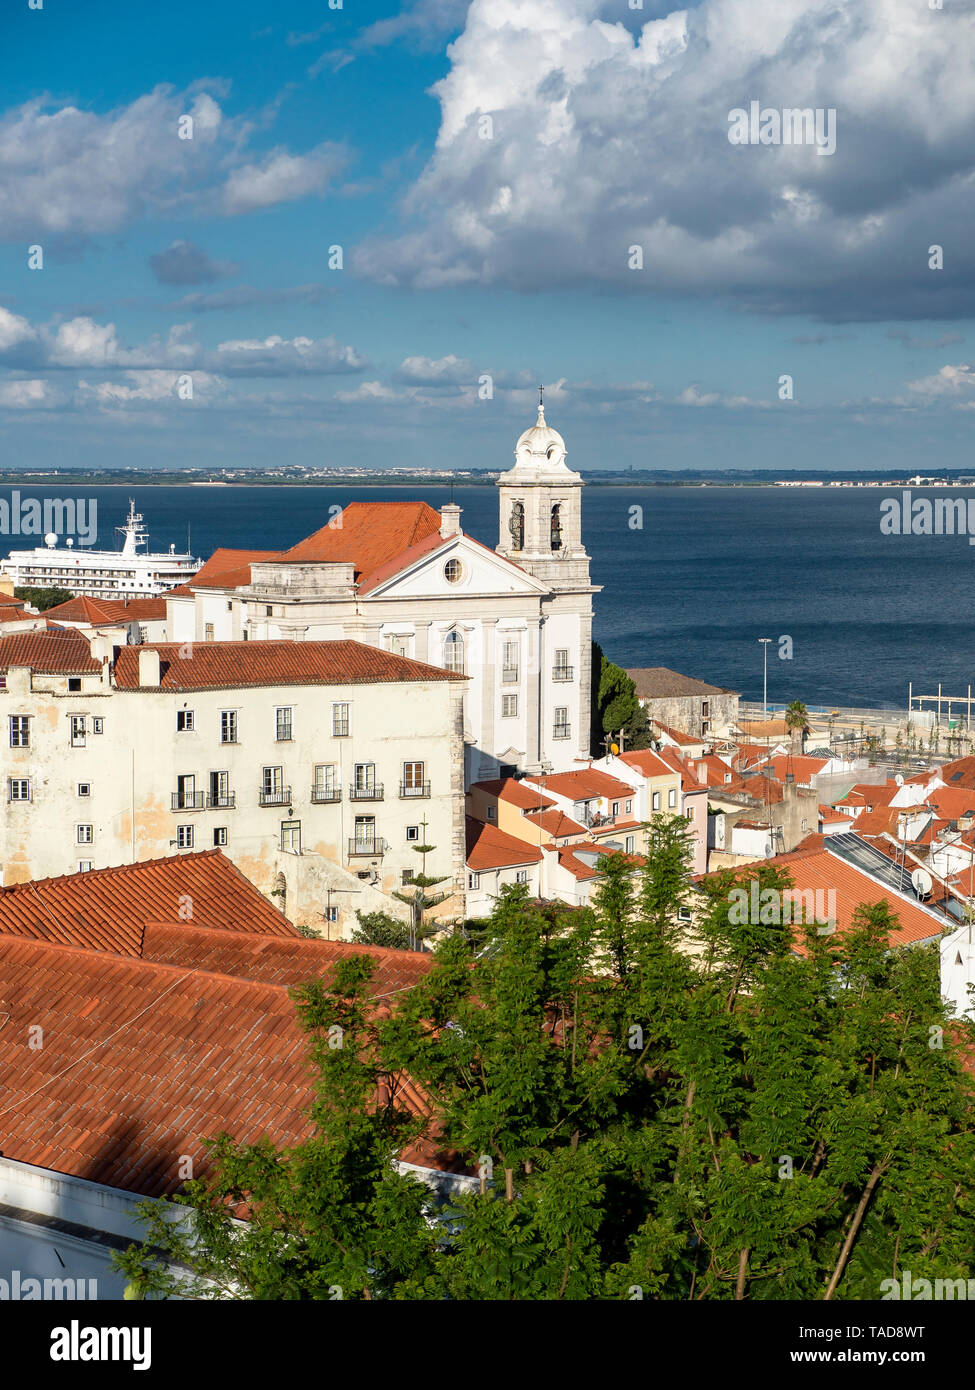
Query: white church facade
[{"x": 517, "y": 620}]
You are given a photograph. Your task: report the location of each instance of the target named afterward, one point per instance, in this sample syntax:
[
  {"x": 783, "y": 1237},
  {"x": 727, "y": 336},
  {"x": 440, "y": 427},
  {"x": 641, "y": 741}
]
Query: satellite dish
[
  {"x": 51, "y": 538},
  {"x": 899, "y": 779},
  {"x": 922, "y": 882}
]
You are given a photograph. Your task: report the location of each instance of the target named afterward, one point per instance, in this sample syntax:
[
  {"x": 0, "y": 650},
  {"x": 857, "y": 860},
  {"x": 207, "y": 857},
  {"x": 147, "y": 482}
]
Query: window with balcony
[
  {"x": 364, "y": 839},
  {"x": 562, "y": 671},
  {"x": 220, "y": 793},
  {"x": 364, "y": 784},
  {"x": 561, "y": 727},
  {"x": 325, "y": 786},
  {"x": 273, "y": 791},
  {"x": 186, "y": 797},
  {"x": 228, "y": 726},
  {"x": 282, "y": 724},
  {"x": 20, "y": 731},
  {"x": 340, "y": 720},
  {"x": 413, "y": 783}
]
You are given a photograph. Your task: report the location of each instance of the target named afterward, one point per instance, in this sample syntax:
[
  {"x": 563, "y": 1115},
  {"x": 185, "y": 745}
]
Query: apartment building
[{"x": 316, "y": 767}]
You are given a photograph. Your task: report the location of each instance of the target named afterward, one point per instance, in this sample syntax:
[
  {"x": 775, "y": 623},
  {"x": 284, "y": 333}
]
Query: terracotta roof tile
[
  {"x": 555, "y": 823},
  {"x": 107, "y": 909},
  {"x": 371, "y": 534},
  {"x": 277, "y": 960},
  {"x": 583, "y": 783},
  {"x": 53, "y": 651},
  {"x": 225, "y": 665},
  {"x": 516, "y": 793},
  {"x": 491, "y": 848},
  {"x": 226, "y": 569}
]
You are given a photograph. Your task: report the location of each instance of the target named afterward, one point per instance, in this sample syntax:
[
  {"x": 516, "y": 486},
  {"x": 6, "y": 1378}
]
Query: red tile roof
[
  {"x": 677, "y": 735},
  {"x": 277, "y": 960},
  {"x": 580, "y": 870},
  {"x": 142, "y": 1060},
  {"x": 650, "y": 764},
  {"x": 683, "y": 764},
  {"x": 960, "y": 773},
  {"x": 517, "y": 793},
  {"x": 813, "y": 868},
  {"x": 108, "y": 909},
  {"x": 400, "y": 562},
  {"x": 225, "y": 569},
  {"x": 555, "y": 823},
  {"x": 51, "y": 651},
  {"x": 370, "y": 536},
  {"x": 951, "y": 802},
  {"x": 226, "y": 665},
  {"x": 583, "y": 783},
  {"x": 803, "y": 769},
  {"x": 82, "y": 609},
  {"x": 491, "y": 848}
]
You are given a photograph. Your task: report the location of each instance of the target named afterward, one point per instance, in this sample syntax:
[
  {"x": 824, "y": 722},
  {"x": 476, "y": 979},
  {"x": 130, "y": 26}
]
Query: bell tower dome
[{"x": 541, "y": 509}]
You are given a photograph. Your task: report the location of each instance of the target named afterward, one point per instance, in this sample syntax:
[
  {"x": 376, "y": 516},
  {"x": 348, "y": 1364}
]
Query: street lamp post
[{"x": 765, "y": 641}]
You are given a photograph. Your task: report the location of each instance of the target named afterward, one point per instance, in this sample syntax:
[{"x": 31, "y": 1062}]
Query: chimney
[
  {"x": 449, "y": 520},
  {"x": 148, "y": 666}
]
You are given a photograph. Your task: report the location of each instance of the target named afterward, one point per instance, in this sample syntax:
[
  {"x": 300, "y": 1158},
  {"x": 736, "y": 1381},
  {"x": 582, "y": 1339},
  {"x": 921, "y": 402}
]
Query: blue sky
[{"x": 486, "y": 169}]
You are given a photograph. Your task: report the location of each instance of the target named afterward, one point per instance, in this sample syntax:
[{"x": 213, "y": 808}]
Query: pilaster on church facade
[{"x": 517, "y": 620}]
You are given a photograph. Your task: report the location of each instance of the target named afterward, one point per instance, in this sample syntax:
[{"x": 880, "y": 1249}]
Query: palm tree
[{"x": 797, "y": 722}]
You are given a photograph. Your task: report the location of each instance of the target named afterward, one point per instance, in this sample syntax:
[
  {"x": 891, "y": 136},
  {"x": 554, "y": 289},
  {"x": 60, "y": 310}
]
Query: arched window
[
  {"x": 516, "y": 525},
  {"x": 453, "y": 652},
  {"x": 557, "y": 527}
]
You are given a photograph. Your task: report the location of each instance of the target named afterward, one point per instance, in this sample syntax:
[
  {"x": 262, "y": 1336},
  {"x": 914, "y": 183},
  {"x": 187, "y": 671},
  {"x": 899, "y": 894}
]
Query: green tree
[
  {"x": 614, "y": 706},
  {"x": 782, "y": 1114},
  {"x": 420, "y": 900},
  {"x": 42, "y": 599},
  {"x": 797, "y": 722},
  {"x": 380, "y": 929}
]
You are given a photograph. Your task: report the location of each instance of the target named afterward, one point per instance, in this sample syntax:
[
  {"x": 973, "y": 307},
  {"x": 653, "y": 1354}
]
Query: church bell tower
[{"x": 541, "y": 510}]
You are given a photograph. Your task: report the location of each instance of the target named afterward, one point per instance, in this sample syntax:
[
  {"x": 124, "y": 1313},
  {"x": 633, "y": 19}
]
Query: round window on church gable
[{"x": 453, "y": 571}]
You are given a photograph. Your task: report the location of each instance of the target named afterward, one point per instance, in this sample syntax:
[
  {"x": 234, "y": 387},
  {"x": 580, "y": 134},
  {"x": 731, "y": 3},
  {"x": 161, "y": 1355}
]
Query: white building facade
[
  {"x": 317, "y": 776},
  {"x": 516, "y": 620}
]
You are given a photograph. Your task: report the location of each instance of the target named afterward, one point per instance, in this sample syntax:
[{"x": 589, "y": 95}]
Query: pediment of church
[{"x": 459, "y": 569}]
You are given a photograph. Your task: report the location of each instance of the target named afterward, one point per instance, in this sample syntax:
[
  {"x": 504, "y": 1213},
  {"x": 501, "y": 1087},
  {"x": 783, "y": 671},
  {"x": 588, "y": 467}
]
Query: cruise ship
[{"x": 127, "y": 573}]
